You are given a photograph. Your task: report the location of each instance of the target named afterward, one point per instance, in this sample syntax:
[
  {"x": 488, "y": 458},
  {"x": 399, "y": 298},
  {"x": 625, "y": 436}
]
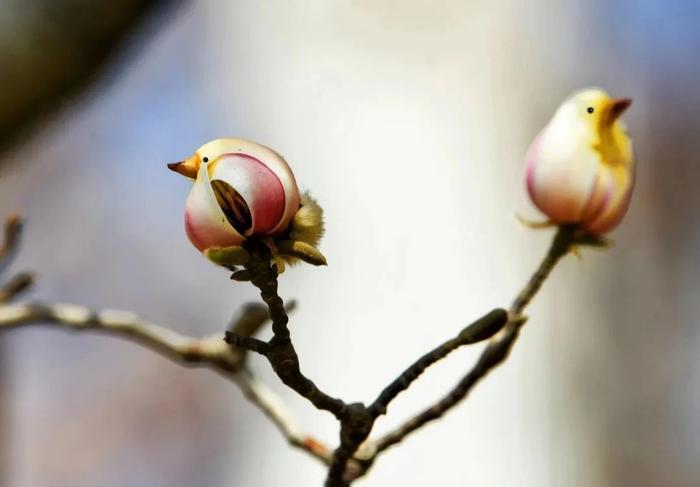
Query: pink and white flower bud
[
  {"x": 580, "y": 168},
  {"x": 242, "y": 190}
]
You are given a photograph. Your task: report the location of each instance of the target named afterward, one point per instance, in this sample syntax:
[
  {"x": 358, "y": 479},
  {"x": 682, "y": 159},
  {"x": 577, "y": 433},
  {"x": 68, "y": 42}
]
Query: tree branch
[
  {"x": 209, "y": 352},
  {"x": 228, "y": 357},
  {"x": 499, "y": 347},
  {"x": 274, "y": 408},
  {"x": 16, "y": 285},
  {"x": 356, "y": 430},
  {"x": 356, "y": 419},
  {"x": 179, "y": 348},
  {"x": 279, "y": 350},
  {"x": 482, "y": 329},
  {"x": 11, "y": 236}
]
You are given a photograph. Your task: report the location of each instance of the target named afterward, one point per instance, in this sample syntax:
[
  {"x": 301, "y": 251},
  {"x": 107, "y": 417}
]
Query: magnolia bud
[
  {"x": 580, "y": 168},
  {"x": 241, "y": 190}
]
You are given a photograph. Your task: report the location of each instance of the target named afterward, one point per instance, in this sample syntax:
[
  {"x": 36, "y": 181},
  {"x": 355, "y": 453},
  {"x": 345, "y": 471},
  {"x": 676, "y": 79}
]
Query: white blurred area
[{"x": 408, "y": 121}]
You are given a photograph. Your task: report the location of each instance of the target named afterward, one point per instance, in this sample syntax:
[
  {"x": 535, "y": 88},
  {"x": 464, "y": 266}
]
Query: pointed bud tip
[
  {"x": 175, "y": 166},
  {"x": 618, "y": 106}
]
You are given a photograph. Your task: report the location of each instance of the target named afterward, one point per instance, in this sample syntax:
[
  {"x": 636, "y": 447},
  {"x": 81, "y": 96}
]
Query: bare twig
[
  {"x": 16, "y": 285},
  {"x": 482, "y": 329},
  {"x": 180, "y": 348},
  {"x": 279, "y": 350},
  {"x": 355, "y": 419},
  {"x": 354, "y": 434},
  {"x": 273, "y": 407},
  {"x": 209, "y": 352},
  {"x": 11, "y": 236},
  {"x": 499, "y": 347},
  {"x": 494, "y": 354}
]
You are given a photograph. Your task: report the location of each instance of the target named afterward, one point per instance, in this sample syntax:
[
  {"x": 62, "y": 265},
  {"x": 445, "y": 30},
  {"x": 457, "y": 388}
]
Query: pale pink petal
[
  {"x": 205, "y": 222},
  {"x": 615, "y": 209},
  {"x": 531, "y": 159},
  {"x": 276, "y": 164},
  {"x": 259, "y": 187}
]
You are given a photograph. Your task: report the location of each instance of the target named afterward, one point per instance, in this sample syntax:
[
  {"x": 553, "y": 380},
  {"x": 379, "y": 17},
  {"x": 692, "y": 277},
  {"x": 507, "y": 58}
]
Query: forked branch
[
  {"x": 498, "y": 349},
  {"x": 228, "y": 357}
]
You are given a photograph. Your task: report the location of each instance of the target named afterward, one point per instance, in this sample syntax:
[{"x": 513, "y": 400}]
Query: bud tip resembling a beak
[
  {"x": 186, "y": 168},
  {"x": 618, "y": 106},
  {"x": 175, "y": 166}
]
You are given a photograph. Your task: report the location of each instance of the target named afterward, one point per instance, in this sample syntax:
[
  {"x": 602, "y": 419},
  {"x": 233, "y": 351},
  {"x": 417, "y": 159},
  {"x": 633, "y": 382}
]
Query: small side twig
[
  {"x": 15, "y": 286},
  {"x": 11, "y": 236}
]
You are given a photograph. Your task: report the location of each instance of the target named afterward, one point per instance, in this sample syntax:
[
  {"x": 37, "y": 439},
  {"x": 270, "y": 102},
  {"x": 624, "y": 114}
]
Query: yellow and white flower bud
[{"x": 580, "y": 168}]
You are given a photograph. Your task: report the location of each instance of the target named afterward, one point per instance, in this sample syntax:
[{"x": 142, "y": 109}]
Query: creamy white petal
[
  {"x": 205, "y": 222},
  {"x": 561, "y": 175}
]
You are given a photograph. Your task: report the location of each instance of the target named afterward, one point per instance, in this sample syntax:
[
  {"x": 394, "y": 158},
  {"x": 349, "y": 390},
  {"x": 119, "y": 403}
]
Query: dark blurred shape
[
  {"x": 9, "y": 243},
  {"x": 50, "y": 49},
  {"x": 5, "y": 420},
  {"x": 253, "y": 316}
]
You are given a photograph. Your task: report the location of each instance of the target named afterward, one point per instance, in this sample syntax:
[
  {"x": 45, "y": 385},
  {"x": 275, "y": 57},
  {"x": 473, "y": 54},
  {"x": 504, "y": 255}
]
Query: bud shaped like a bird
[
  {"x": 580, "y": 168},
  {"x": 241, "y": 190}
]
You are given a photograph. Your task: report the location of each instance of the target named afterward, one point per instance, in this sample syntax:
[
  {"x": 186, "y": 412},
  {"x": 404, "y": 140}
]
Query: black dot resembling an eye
[
  {"x": 206, "y": 159},
  {"x": 589, "y": 109}
]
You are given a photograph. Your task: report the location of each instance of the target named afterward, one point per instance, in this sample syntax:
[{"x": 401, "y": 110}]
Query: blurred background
[{"x": 408, "y": 120}]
